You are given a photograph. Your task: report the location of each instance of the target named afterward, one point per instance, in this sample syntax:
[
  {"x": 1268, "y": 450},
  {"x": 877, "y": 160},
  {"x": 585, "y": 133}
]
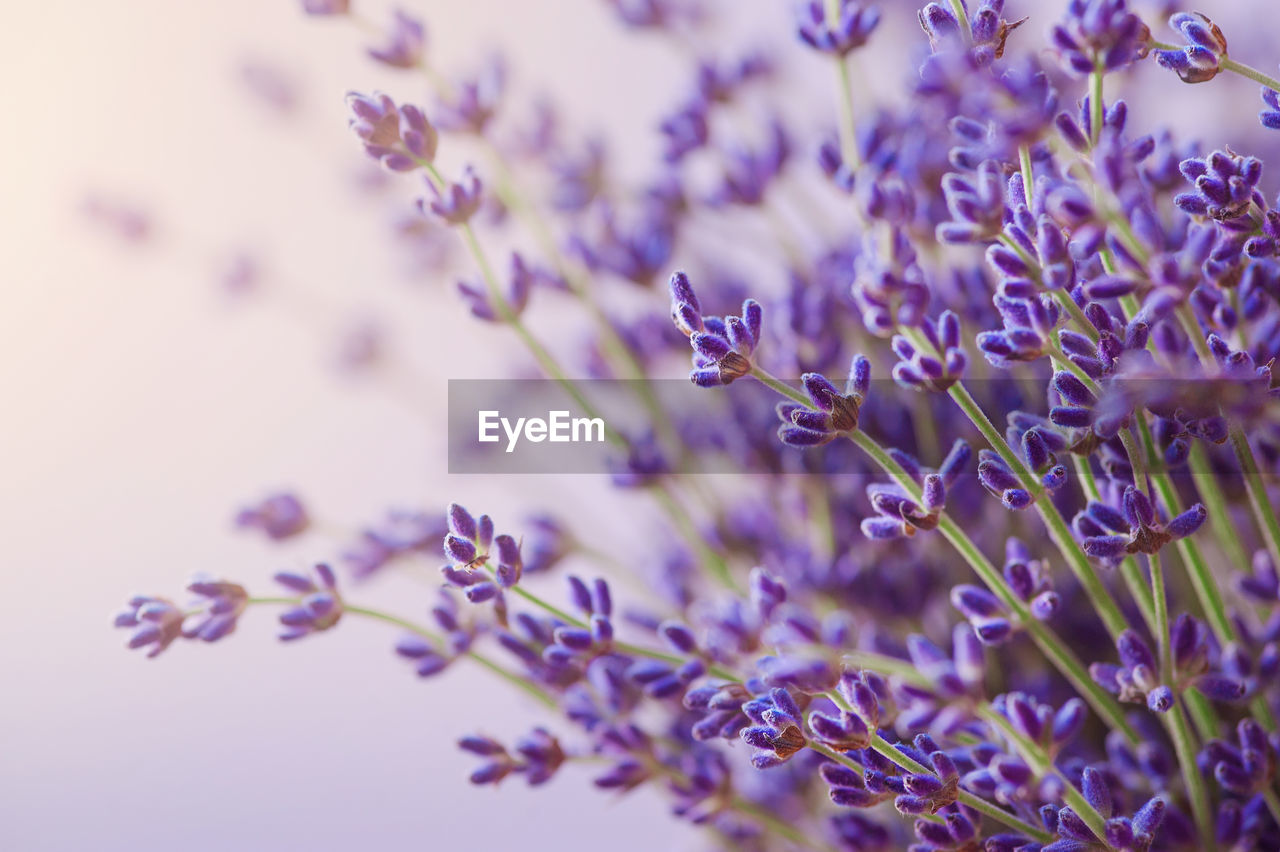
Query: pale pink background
[{"x": 141, "y": 407}]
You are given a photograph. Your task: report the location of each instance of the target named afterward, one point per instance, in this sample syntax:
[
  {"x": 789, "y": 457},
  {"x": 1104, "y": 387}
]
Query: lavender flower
[
  {"x": 1245, "y": 769},
  {"x": 398, "y": 137},
  {"x": 722, "y": 346},
  {"x": 319, "y": 606},
  {"x": 902, "y": 515},
  {"x": 469, "y": 105},
  {"x": 455, "y": 203},
  {"x": 976, "y": 204},
  {"x": 1028, "y": 578},
  {"x": 1225, "y": 185},
  {"x": 1199, "y": 61},
  {"x": 936, "y": 368},
  {"x": 1099, "y": 35},
  {"x": 279, "y": 516},
  {"x": 326, "y": 7},
  {"x": 405, "y": 42},
  {"x": 1271, "y": 115},
  {"x": 778, "y": 730},
  {"x": 832, "y": 412},
  {"x": 1128, "y": 834},
  {"x": 155, "y": 623},
  {"x": 1137, "y": 677},
  {"x": 537, "y": 757},
  {"x": 222, "y": 604},
  {"x": 1108, "y": 534},
  {"x": 841, "y": 33}
]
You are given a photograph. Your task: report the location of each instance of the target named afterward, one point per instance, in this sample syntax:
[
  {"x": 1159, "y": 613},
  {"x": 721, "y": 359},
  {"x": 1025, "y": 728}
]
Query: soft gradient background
[{"x": 141, "y": 406}]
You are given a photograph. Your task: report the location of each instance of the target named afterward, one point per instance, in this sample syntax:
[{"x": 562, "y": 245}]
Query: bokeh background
[{"x": 143, "y": 403}]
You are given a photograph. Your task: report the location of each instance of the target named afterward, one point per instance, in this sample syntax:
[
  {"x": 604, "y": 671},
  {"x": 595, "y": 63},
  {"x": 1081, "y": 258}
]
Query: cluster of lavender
[{"x": 833, "y": 660}]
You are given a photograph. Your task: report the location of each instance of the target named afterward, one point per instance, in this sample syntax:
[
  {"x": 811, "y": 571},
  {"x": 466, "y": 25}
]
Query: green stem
[
  {"x": 1130, "y": 571},
  {"x": 904, "y": 670},
  {"x": 775, "y": 824},
  {"x": 1024, "y": 161},
  {"x": 902, "y": 761},
  {"x": 844, "y": 90},
  {"x": 1252, "y": 73},
  {"x": 1095, "y": 103},
  {"x": 1219, "y": 519},
  {"x": 1043, "y": 765},
  {"x": 624, "y": 647},
  {"x": 1162, "y": 618},
  {"x": 545, "y": 360},
  {"x": 848, "y": 124},
  {"x": 387, "y": 618},
  {"x": 1264, "y": 511},
  {"x": 716, "y": 563},
  {"x": 1083, "y": 569},
  {"x": 1064, "y": 298},
  {"x": 1273, "y": 803},
  {"x": 1184, "y": 746},
  {"x": 1202, "y": 714},
  {"x": 1045, "y": 639},
  {"x": 957, "y": 9},
  {"x": 1202, "y": 579},
  {"x": 778, "y": 386}
]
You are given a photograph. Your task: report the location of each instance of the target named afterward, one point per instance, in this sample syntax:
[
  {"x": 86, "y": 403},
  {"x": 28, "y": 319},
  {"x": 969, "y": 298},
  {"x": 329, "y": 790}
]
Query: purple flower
[
  {"x": 469, "y": 105},
  {"x": 279, "y": 516},
  {"x": 749, "y": 172},
  {"x": 319, "y": 605},
  {"x": 398, "y": 137},
  {"x": 1099, "y": 35},
  {"x": 1128, "y": 834},
  {"x": 399, "y": 534},
  {"x": 636, "y": 251},
  {"x": 722, "y": 346},
  {"x": 326, "y": 7},
  {"x": 937, "y": 367},
  {"x": 900, "y": 514},
  {"x": 523, "y": 279},
  {"x": 1243, "y": 769},
  {"x": 1110, "y": 534},
  {"x": 644, "y": 14},
  {"x": 405, "y": 42},
  {"x": 1026, "y": 577},
  {"x": 852, "y": 789},
  {"x": 847, "y": 730},
  {"x": 455, "y": 203},
  {"x": 155, "y": 623},
  {"x": 928, "y": 793},
  {"x": 1225, "y": 185},
  {"x": 832, "y": 412},
  {"x": 686, "y": 130},
  {"x": 840, "y": 33},
  {"x": 538, "y": 756},
  {"x": 221, "y": 605},
  {"x": 976, "y": 204},
  {"x": 1270, "y": 116},
  {"x": 1028, "y": 324},
  {"x": 777, "y": 730},
  {"x": 1199, "y": 61},
  {"x": 1137, "y": 678}
]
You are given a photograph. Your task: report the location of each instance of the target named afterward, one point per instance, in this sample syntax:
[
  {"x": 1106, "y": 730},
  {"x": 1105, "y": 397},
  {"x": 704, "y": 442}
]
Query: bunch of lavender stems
[{"x": 1012, "y": 585}]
